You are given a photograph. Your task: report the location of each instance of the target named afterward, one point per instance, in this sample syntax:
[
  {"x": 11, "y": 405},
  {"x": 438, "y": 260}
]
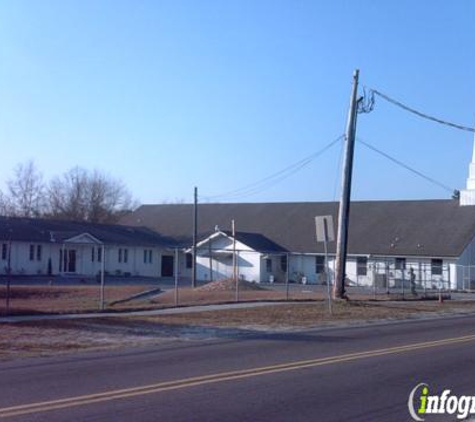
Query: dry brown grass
[
  {"x": 208, "y": 296},
  {"x": 25, "y": 300},
  {"x": 310, "y": 314},
  {"x": 49, "y": 337},
  {"x": 189, "y": 296},
  {"x": 28, "y": 300}
]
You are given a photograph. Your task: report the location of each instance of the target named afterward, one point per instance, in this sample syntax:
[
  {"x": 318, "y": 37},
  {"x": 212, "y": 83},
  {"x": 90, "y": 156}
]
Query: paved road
[{"x": 346, "y": 374}]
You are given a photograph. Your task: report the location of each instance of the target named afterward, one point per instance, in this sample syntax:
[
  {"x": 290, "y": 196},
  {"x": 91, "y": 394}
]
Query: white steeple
[{"x": 467, "y": 196}]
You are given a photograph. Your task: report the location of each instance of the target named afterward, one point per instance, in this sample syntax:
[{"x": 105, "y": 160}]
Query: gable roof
[
  {"x": 58, "y": 231},
  {"x": 255, "y": 241},
  {"x": 83, "y": 238},
  {"x": 439, "y": 228}
]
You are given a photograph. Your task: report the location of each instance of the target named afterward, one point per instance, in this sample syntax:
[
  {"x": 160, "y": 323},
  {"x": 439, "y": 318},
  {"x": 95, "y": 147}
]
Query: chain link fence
[{"x": 273, "y": 276}]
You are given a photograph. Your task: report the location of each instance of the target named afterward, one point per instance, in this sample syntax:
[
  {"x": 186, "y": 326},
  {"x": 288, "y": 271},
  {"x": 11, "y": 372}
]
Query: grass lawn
[
  {"x": 50, "y": 337},
  {"x": 28, "y": 300}
]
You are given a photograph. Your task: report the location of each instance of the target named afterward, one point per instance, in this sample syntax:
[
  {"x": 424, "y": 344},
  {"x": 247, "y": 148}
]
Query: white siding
[
  {"x": 135, "y": 265},
  {"x": 248, "y": 261}
]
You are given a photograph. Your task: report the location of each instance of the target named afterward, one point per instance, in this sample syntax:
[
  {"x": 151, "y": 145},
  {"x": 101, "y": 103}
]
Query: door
[
  {"x": 68, "y": 259},
  {"x": 167, "y": 266},
  {"x": 71, "y": 268}
]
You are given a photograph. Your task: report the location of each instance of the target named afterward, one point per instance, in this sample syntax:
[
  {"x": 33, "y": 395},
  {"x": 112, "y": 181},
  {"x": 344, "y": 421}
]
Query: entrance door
[
  {"x": 68, "y": 259},
  {"x": 167, "y": 266},
  {"x": 71, "y": 268}
]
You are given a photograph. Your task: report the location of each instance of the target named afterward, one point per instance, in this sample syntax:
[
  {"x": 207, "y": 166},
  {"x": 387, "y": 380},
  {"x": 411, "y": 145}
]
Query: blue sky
[{"x": 167, "y": 95}]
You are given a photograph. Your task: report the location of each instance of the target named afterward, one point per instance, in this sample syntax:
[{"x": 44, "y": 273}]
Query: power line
[
  {"x": 275, "y": 178},
  {"x": 339, "y": 165},
  {"x": 407, "y": 167},
  {"x": 420, "y": 114},
  {"x": 269, "y": 181}
]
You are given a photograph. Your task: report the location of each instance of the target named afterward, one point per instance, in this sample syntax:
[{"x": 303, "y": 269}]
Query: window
[
  {"x": 32, "y": 252},
  {"x": 126, "y": 255},
  {"x": 147, "y": 256},
  {"x": 319, "y": 264},
  {"x": 4, "y": 251},
  {"x": 400, "y": 263},
  {"x": 99, "y": 254},
  {"x": 269, "y": 265},
  {"x": 361, "y": 265},
  {"x": 93, "y": 250},
  {"x": 436, "y": 266},
  {"x": 120, "y": 255},
  {"x": 189, "y": 260},
  {"x": 38, "y": 252},
  {"x": 283, "y": 263}
]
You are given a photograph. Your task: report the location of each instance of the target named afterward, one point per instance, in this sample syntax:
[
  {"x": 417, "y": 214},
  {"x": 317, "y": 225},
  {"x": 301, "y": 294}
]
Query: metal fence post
[
  {"x": 449, "y": 279},
  {"x": 9, "y": 278},
  {"x": 287, "y": 278},
  {"x": 176, "y": 276},
  {"x": 403, "y": 279},
  {"x": 469, "y": 278},
  {"x": 373, "y": 269},
  {"x": 386, "y": 268},
  {"x": 236, "y": 274},
  {"x": 103, "y": 276}
]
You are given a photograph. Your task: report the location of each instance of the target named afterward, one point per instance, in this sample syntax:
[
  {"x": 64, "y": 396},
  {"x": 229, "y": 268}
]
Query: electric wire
[
  {"x": 407, "y": 167},
  {"x": 273, "y": 179},
  {"x": 338, "y": 168},
  {"x": 420, "y": 114}
]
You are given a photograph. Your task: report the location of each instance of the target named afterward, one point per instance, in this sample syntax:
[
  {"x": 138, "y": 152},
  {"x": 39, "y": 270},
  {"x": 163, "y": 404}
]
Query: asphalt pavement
[{"x": 340, "y": 374}]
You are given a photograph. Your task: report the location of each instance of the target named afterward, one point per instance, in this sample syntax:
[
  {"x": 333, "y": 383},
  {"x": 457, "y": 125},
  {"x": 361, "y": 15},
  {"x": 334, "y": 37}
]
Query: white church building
[
  {"x": 40, "y": 247},
  {"x": 436, "y": 238},
  {"x": 275, "y": 242}
]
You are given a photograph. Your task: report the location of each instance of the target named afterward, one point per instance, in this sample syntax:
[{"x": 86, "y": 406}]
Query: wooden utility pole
[
  {"x": 195, "y": 237},
  {"x": 344, "y": 209}
]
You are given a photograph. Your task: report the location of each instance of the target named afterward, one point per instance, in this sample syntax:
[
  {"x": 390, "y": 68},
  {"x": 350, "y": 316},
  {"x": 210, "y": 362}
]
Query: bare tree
[
  {"x": 106, "y": 198},
  {"x": 26, "y": 190},
  {"x": 67, "y": 195},
  {"x": 6, "y": 206},
  {"x": 88, "y": 196}
]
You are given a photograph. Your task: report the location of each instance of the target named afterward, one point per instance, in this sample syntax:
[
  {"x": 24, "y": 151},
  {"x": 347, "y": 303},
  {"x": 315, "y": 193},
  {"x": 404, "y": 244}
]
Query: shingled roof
[
  {"x": 436, "y": 228},
  {"x": 256, "y": 241},
  {"x": 57, "y": 231}
]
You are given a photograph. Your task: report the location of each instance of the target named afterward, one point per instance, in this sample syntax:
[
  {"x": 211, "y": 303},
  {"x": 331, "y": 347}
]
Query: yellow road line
[{"x": 25, "y": 409}]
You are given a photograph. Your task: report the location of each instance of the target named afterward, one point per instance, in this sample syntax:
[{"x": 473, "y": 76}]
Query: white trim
[{"x": 74, "y": 239}]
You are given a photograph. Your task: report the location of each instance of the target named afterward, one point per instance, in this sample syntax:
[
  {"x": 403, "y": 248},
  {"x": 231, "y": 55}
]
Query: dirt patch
[
  {"x": 45, "y": 338},
  {"x": 227, "y": 285}
]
